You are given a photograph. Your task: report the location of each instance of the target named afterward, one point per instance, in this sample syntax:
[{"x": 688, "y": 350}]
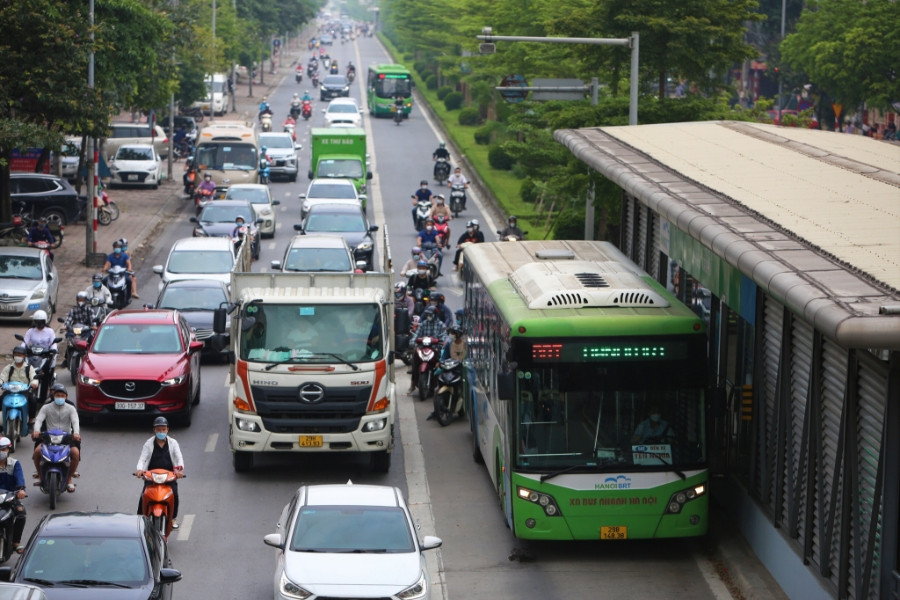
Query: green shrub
[
  {"x": 499, "y": 159},
  {"x": 431, "y": 82},
  {"x": 421, "y": 67},
  {"x": 469, "y": 116},
  {"x": 453, "y": 101},
  {"x": 484, "y": 135},
  {"x": 443, "y": 91},
  {"x": 529, "y": 192}
]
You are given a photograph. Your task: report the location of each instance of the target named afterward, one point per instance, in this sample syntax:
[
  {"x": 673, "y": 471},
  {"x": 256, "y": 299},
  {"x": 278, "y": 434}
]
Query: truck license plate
[
  {"x": 310, "y": 441},
  {"x": 617, "y": 532},
  {"x": 129, "y": 406}
]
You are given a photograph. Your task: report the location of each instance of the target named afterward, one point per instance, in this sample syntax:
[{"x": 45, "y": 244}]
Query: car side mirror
[
  {"x": 195, "y": 346},
  {"x": 167, "y": 575},
  {"x": 158, "y": 269},
  {"x": 368, "y": 175},
  {"x": 298, "y": 227},
  {"x": 5, "y": 573},
  {"x": 273, "y": 539},
  {"x": 373, "y": 227},
  {"x": 276, "y": 202},
  {"x": 275, "y": 265},
  {"x": 194, "y": 220}
]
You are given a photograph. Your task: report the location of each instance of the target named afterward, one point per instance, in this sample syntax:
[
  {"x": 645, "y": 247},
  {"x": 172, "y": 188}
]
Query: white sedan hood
[{"x": 327, "y": 574}]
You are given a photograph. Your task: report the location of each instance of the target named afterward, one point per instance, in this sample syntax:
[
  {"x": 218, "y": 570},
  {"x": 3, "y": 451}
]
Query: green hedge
[
  {"x": 453, "y": 101},
  {"x": 499, "y": 159},
  {"x": 431, "y": 82},
  {"x": 443, "y": 91},
  {"x": 469, "y": 116},
  {"x": 484, "y": 135}
]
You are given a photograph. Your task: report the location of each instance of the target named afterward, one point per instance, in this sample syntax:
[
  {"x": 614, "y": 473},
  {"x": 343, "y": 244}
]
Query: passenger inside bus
[{"x": 654, "y": 429}]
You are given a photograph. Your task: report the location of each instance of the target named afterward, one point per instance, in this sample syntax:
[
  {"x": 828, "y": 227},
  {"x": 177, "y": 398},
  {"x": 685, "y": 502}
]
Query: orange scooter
[{"x": 158, "y": 499}]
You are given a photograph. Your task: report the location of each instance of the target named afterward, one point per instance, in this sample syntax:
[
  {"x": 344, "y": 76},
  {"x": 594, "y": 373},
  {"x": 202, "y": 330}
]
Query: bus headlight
[
  {"x": 681, "y": 497},
  {"x": 545, "y": 501}
]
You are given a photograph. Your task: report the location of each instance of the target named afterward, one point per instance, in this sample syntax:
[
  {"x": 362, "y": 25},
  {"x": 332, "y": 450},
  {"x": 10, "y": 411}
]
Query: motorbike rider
[
  {"x": 264, "y": 107},
  {"x": 441, "y": 208},
  {"x": 40, "y": 233},
  {"x": 458, "y": 348},
  {"x": 59, "y": 414},
  {"x": 441, "y": 152},
  {"x": 333, "y": 70},
  {"x": 443, "y": 311},
  {"x": 41, "y": 335},
  {"x": 420, "y": 280},
  {"x": 98, "y": 290},
  {"x": 401, "y": 298},
  {"x": 512, "y": 229},
  {"x": 12, "y": 478},
  {"x": 119, "y": 258},
  {"x": 351, "y": 68},
  {"x": 239, "y": 223},
  {"x": 124, "y": 243},
  {"x": 207, "y": 188},
  {"x": 20, "y": 370},
  {"x": 431, "y": 235},
  {"x": 459, "y": 179},
  {"x": 472, "y": 235},
  {"x": 410, "y": 265},
  {"x": 80, "y": 313},
  {"x": 430, "y": 326},
  {"x": 421, "y": 194},
  {"x": 307, "y": 97},
  {"x": 161, "y": 452}
]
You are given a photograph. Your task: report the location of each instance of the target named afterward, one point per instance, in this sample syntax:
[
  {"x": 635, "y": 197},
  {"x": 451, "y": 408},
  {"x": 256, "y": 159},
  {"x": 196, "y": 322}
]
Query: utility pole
[{"x": 91, "y": 153}]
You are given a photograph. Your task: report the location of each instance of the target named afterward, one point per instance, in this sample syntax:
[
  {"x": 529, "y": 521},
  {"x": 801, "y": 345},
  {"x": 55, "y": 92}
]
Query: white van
[{"x": 216, "y": 100}]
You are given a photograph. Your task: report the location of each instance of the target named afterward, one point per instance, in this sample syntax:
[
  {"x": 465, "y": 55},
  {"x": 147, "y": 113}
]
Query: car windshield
[
  {"x": 20, "y": 267},
  {"x": 318, "y": 259},
  {"x": 276, "y": 141},
  {"x": 252, "y": 195},
  {"x": 137, "y": 339},
  {"x": 192, "y": 298},
  {"x": 352, "y": 529},
  {"x": 323, "y": 222},
  {"x": 344, "y": 168},
  {"x": 313, "y": 333},
  {"x": 336, "y": 80},
  {"x": 217, "y": 213},
  {"x": 112, "y": 560},
  {"x": 343, "y": 107},
  {"x": 200, "y": 261},
  {"x": 331, "y": 190},
  {"x": 132, "y": 153}
]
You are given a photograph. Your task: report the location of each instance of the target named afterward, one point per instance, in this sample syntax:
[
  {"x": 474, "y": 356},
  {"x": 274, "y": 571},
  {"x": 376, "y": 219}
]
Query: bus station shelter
[{"x": 787, "y": 241}]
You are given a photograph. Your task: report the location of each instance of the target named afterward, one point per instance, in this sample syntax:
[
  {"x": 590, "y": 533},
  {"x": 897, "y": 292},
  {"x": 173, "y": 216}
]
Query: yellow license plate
[
  {"x": 310, "y": 441},
  {"x": 618, "y": 532}
]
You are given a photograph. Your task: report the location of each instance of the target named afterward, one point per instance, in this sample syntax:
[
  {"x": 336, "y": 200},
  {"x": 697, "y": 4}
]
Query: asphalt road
[{"x": 225, "y": 515}]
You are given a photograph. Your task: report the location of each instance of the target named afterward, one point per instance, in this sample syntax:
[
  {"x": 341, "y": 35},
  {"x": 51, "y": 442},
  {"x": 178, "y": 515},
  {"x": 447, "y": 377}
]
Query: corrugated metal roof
[{"x": 813, "y": 217}]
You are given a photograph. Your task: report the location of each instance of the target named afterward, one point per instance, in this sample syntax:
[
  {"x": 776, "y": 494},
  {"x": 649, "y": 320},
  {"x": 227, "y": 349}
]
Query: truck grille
[{"x": 339, "y": 410}]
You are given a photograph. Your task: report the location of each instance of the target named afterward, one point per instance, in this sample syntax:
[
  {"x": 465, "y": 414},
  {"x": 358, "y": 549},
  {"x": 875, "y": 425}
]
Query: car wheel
[
  {"x": 242, "y": 461},
  {"x": 56, "y": 216},
  {"x": 380, "y": 461}
]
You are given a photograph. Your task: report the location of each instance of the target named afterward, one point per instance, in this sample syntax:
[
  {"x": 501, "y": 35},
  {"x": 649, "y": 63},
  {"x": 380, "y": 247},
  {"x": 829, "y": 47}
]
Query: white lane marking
[
  {"x": 711, "y": 576},
  {"x": 211, "y": 442},
  {"x": 270, "y": 246},
  {"x": 184, "y": 529}
]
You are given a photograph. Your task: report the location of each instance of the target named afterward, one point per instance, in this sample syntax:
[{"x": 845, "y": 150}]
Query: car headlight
[
  {"x": 292, "y": 590},
  {"x": 38, "y": 294},
  {"x": 174, "y": 380},
  {"x": 198, "y": 232},
  {"x": 417, "y": 590},
  {"x": 364, "y": 246},
  {"x": 265, "y": 211},
  {"x": 88, "y": 380}
]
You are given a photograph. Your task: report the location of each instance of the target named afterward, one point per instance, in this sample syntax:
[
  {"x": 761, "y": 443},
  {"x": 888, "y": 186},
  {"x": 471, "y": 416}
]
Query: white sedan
[
  {"x": 349, "y": 541},
  {"x": 136, "y": 164},
  {"x": 343, "y": 112}
]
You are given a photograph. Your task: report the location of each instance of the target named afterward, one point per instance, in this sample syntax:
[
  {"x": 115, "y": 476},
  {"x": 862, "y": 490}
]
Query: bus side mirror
[{"x": 506, "y": 386}]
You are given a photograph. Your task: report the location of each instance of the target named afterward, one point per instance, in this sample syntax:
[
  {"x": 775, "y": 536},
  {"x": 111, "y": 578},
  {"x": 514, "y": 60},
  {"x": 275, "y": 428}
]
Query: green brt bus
[
  {"x": 386, "y": 82},
  {"x": 587, "y": 384}
]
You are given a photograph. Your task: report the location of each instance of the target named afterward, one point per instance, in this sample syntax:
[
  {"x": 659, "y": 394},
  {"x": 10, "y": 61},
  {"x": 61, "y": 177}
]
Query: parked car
[
  {"x": 96, "y": 555},
  {"x": 348, "y": 222},
  {"x": 141, "y": 362},
  {"x": 46, "y": 195},
  {"x": 330, "y": 191},
  {"x": 217, "y": 219},
  {"x": 28, "y": 283},
  {"x": 21, "y": 591},
  {"x": 196, "y": 299},
  {"x": 135, "y": 164},
  {"x": 334, "y": 86},
  {"x": 349, "y": 541},
  {"x": 316, "y": 254},
  {"x": 343, "y": 112},
  {"x": 121, "y": 134},
  {"x": 68, "y": 158},
  {"x": 280, "y": 147},
  {"x": 198, "y": 258},
  {"x": 260, "y": 198}
]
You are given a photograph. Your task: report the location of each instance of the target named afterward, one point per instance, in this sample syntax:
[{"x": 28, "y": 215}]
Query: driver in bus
[{"x": 653, "y": 430}]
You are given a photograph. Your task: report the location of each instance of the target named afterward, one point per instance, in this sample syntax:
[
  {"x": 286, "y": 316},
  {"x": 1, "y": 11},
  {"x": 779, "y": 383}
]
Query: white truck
[{"x": 312, "y": 367}]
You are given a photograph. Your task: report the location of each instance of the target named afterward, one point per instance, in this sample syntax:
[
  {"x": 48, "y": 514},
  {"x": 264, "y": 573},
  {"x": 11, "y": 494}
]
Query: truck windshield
[
  {"x": 308, "y": 333},
  {"x": 340, "y": 168}
]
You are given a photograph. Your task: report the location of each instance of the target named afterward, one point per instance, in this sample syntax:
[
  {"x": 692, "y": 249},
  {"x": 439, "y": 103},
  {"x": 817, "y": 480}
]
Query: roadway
[{"x": 224, "y": 516}]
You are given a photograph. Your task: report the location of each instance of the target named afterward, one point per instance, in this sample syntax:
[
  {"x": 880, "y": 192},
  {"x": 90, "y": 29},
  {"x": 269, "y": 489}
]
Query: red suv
[{"x": 141, "y": 362}]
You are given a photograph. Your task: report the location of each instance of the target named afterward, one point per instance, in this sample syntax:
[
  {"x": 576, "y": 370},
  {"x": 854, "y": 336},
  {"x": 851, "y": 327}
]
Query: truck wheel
[
  {"x": 243, "y": 461},
  {"x": 381, "y": 461}
]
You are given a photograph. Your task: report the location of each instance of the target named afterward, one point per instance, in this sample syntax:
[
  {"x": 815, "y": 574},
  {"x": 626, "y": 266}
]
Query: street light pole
[
  {"x": 91, "y": 153},
  {"x": 212, "y": 94}
]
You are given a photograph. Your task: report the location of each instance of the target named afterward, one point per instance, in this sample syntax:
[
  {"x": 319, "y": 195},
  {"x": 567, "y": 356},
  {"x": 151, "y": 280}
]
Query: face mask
[
  {"x": 429, "y": 227},
  {"x": 18, "y": 359},
  {"x": 3, "y": 454},
  {"x": 96, "y": 285},
  {"x": 59, "y": 401},
  {"x": 81, "y": 303},
  {"x": 39, "y": 325},
  {"x": 118, "y": 251},
  {"x": 655, "y": 417},
  {"x": 421, "y": 271},
  {"x": 470, "y": 229},
  {"x": 160, "y": 435}
]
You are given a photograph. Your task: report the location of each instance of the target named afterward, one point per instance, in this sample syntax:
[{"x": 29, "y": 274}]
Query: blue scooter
[
  {"x": 15, "y": 411},
  {"x": 54, "y": 464}
]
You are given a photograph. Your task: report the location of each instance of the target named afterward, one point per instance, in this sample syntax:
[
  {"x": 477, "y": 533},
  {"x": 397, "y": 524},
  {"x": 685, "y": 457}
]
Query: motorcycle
[
  {"x": 190, "y": 177},
  {"x": 298, "y": 74},
  {"x": 448, "y": 400},
  {"x": 54, "y": 470},
  {"x": 202, "y": 197},
  {"x": 306, "y": 109},
  {"x": 402, "y": 333},
  {"x": 295, "y": 109},
  {"x": 75, "y": 333},
  {"x": 265, "y": 121},
  {"x": 423, "y": 211},
  {"x": 421, "y": 298},
  {"x": 41, "y": 360},
  {"x": 397, "y": 109},
  {"x": 15, "y": 411},
  {"x": 428, "y": 351},
  {"x": 457, "y": 199},
  {"x": 192, "y": 111},
  {"x": 158, "y": 499},
  {"x": 443, "y": 227},
  {"x": 441, "y": 170},
  {"x": 315, "y": 79},
  {"x": 107, "y": 210},
  {"x": 7, "y": 523},
  {"x": 12, "y": 233},
  {"x": 431, "y": 255},
  {"x": 264, "y": 171},
  {"x": 511, "y": 237},
  {"x": 183, "y": 149},
  {"x": 327, "y": 62},
  {"x": 312, "y": 68},
  {"x": 118, "y": 286},
  {"x": 351, "y": 75},
  {"x": 291, "y": 129}
]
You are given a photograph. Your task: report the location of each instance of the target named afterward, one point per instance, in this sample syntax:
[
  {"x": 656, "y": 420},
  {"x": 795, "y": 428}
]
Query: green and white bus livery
[{"x": 384, "y": 84}]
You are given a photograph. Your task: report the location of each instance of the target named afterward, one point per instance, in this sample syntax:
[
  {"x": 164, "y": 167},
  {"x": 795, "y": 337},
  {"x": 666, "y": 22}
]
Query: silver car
[
  {"x": 260, "y": 199},
  {"x": 28, "y": 283},
  {"x": 280, "y": 147}
]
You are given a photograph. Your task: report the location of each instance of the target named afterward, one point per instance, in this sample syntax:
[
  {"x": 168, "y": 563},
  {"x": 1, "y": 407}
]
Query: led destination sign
[{"x": 610, "y": 351}]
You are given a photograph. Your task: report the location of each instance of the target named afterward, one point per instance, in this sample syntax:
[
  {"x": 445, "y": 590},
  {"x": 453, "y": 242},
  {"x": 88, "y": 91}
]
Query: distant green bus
[
  {"x": 386, "y": 82},
  {"x": 587, "y": 384}
]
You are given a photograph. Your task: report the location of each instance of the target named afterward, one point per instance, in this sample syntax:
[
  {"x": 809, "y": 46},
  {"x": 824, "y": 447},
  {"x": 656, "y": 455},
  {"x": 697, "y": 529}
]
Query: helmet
[
  {"x": 39, "y": 315},
  {"x": 4, "y": 442},
  {"x": 416, "y": 251},
  {"x": 400, "y": 288},
  {"x": 42, "y": 220},
  {"x": 81, "y": 296},
  {"x": 460, "y": 313},
  {"x": 97, "y": 277},
  {"x": 438, "y": 297},
  {"x": 442, "y": 145},
  {"x": 208, "y": 176},
  {"x": 20, "y": 349},
  {"x": 512, "y": 218},
  {"x": 58, "y": 387},
  {"x": 429, "y": 220},
  {"x": 123, "y": 241},
  {"x": 265, "y": 98},
  {"x": 422, "y": 264},
  {"x": 474, "y": 222},
  {"x": 470, "y": 223},
  {"x": 296, "y": 94},
  {"x": 263, "y": 149},
  {"x": 423, "y": 182},
  {"x": 430, "y": 311},
  {"x": 241, "y": 217},
  {"x": 456, "y": 330},
  {"x": 439, "y": 197},
  {"x": 160, "y": 422},
  {"x": 117, "y": 244}
]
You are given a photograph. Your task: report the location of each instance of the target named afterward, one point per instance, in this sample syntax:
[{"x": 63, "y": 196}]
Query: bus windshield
[
  {"x": 227, "y": 155},
  {"x": 391, "y": 87},
  {"x": 569, "y": 417}
]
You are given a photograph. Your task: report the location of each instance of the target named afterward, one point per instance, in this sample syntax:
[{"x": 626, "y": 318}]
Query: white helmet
[
  {"x": 4, "y": 442},
  {"x": 40, "y": 315}
]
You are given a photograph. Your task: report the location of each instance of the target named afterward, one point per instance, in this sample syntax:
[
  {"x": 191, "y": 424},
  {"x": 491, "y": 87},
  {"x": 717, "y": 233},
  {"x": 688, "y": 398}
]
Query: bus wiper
[
  {"x": 660, "y": 458},
  {"x": 562, "y": 471}
]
